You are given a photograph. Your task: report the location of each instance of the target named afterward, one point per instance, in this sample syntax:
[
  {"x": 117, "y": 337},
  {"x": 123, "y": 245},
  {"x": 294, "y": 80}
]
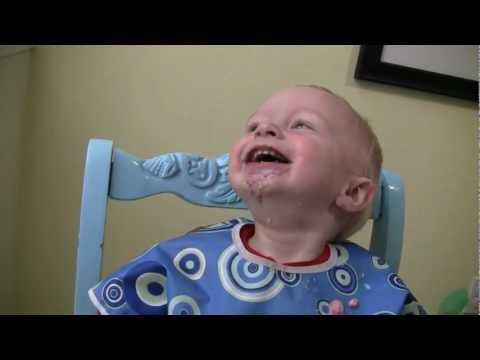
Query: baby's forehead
[{"x": 327, "y": 105}]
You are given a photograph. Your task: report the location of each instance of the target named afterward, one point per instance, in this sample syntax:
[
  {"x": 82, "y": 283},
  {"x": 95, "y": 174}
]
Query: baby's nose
[{"x": 267, "y": 129}]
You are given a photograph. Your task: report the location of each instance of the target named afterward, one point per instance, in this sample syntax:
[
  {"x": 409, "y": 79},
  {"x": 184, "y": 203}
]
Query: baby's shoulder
[
  {"x": 202, "y": 238},
  {"x": 373, "y": 277},
  {"x": 364, "y": 263},
  {"x": 224, "y": 226},
  {"x": 355, "y": 254}
]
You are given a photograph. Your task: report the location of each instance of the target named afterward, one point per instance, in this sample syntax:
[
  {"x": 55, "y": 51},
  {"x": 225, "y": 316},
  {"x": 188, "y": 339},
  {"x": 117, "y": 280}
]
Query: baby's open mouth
[{"x": 266, "y": 154}]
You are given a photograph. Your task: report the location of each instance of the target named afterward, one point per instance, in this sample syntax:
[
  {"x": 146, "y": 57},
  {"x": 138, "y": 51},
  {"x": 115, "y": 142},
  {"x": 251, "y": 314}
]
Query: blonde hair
[{"x": 374, "y": 160}]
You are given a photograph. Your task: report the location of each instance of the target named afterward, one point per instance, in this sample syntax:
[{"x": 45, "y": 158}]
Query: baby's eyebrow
[
  {"x": 310, "y": 111},
  {"x": 250, "y": 118}
]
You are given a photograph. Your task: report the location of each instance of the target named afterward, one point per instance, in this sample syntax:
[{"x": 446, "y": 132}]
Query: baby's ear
[{"x": 357, "y": 195}]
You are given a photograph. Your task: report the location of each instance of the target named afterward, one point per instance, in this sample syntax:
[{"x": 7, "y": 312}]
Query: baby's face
[{"x": 296, "y": 145}]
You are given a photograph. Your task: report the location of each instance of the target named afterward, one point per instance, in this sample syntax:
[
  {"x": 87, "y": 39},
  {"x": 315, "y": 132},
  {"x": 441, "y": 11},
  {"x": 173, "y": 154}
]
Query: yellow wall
[
  {"x": 151, "y": 100},
  {"x": 13, "y": 90}
]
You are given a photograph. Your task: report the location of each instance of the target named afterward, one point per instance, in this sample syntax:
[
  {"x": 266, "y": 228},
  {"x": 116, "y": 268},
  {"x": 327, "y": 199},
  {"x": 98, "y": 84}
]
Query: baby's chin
[
  {"x": 255, "y": 180},
  {"x": 257, "y": 187}
]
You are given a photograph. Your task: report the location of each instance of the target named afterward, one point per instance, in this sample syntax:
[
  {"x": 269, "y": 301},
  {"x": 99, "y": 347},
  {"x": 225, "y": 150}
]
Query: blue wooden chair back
[{"x": 111, "y": 173}]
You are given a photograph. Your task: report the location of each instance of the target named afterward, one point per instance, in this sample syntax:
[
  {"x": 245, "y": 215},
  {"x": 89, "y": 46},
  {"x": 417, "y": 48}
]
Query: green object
[{"x": 454, "y": 303}]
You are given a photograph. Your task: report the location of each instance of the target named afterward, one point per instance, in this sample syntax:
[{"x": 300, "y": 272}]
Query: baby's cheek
[
  {"x": 235, "y": 157},
  {"x": 234, "y": 172}
]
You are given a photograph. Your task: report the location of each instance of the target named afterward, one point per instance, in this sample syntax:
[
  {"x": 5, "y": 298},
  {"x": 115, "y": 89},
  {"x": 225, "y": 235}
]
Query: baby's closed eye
[
  {"x": 301, "y": 124},
  {"x": 251, "y": 127}
]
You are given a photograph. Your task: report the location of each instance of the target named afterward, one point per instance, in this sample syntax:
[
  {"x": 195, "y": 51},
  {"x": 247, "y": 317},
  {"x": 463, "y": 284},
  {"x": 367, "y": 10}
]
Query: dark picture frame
[{"x": 371, "y": 67}]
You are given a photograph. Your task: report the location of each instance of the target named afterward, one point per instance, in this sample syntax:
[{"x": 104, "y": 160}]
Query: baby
[{"x": 307, "y": 167}]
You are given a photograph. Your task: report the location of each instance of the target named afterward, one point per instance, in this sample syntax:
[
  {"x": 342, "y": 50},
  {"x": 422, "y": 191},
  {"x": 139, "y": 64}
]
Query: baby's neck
[{"x": 291, "y": 241}]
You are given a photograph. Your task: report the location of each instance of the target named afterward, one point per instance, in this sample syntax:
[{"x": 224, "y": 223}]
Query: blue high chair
[{"x": 111, "y": 173}]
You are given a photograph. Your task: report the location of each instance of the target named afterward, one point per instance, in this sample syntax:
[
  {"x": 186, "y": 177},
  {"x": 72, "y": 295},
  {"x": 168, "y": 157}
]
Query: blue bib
[{"x": 208, "y": 271}]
